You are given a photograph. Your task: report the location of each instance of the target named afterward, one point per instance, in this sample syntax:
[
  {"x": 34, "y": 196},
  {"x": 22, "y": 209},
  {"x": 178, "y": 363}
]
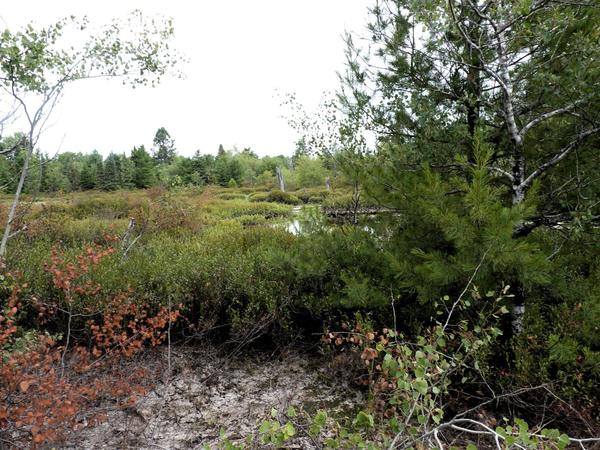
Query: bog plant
[
  {"x": 409, "y": 382},
  {"x": 49, "y": 384}
]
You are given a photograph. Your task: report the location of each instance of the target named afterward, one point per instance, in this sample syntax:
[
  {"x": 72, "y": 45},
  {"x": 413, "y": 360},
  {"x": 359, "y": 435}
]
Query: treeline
[{"x": 68, "y": 171}]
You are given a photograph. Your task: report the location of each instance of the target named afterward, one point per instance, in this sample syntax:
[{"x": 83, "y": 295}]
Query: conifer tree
[
  {"x": 144, "y": 174},
  {"x": 164, "y": 147}
]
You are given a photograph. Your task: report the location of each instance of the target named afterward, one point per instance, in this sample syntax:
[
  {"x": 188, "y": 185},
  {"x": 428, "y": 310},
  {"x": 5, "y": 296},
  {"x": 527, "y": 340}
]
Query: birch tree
[{"x": 38, "y": 64}]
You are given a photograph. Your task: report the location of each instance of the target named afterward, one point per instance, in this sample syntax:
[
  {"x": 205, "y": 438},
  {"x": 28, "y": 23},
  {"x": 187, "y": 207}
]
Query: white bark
[
  {"x": 280, "y": 180},
  {"x": 558, "y": 157},
  {"x": 13, "y": 209},
  {"x": 517, "y": 314}
]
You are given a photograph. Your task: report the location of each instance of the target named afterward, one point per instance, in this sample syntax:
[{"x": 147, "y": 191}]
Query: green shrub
[
  {"x": 259, "y": 197},
  {"x": 231, "y": 196},
  {"x": 220, "y": 209},
  {"x": 222, "y": 275},
  {"x": 276, "y": 196},
  {"x": 252, "y": 220},
  {"x": 112, "y": 206},
  {"x": 314, "y": 194}
]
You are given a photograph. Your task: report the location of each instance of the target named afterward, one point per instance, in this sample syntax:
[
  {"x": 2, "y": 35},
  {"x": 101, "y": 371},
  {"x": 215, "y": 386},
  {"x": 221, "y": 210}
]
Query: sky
[{"x": 243, "y": 57}]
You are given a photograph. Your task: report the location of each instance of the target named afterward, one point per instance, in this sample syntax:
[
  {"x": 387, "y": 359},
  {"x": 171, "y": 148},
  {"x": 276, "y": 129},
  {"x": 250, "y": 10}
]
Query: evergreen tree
[
  {"x": 88, "y": 177},
  {"x": 164, "y": 147},
  {"x": 489, "y": 72},
  {"x": 204, "y": 168},
  {"x": 144, "y": 174}
]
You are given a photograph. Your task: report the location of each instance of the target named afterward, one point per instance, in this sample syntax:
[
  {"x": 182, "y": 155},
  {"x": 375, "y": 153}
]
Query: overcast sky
[{"x": 241, "y": 54}]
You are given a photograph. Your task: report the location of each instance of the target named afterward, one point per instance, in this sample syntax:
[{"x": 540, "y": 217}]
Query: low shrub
[
  {"x": 252, "y": 220},
  {"x": 259, "y": 197},
  {"x": 107, "y": 206},
  {"x": 61, "y": 228},
  {"x": 47, "y": 389},
  {"x": 231, "y": 196},
  {"x": 317, "y": 195},
  {"x": 278, "y": 196},
  {"x": 275, "y": 196},
  {"x": 230, "y": 209}
]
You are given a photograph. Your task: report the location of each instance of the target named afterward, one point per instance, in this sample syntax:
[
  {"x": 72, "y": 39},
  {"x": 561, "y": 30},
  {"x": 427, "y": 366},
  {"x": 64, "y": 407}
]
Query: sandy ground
[{"x": 208, "y": 393}]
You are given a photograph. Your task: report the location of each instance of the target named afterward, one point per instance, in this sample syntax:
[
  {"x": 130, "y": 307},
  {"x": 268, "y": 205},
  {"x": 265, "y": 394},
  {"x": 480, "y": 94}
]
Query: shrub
[
  {"x": 275, "y": 196},
  {"x": 46, "y": 389},
  {"x": 231, "y": 196},
  {"x": 259, "y": 197},
  {"x": 278, "y": 196},
  {"x": 317, "y": 195},
  {"x": 252, "y": 220},
  {"x": 107, "y": 206},
  {"x": 230, "y": 209}
]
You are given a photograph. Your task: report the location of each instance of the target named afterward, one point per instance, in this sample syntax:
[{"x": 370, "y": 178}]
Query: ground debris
[{"x": 208, "y": 393}]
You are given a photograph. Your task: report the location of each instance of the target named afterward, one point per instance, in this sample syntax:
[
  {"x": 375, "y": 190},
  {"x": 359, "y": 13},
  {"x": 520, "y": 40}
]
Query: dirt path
[{"x": 208, "y": 394}]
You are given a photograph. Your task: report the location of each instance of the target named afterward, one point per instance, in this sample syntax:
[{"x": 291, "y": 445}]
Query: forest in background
[
  {"x": 445, "y": 249},
  {"x": 68, "y": 171}
]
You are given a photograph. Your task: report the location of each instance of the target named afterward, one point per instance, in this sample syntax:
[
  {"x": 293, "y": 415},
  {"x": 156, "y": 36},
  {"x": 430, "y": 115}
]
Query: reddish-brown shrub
[{"x": 48, "y": 388}]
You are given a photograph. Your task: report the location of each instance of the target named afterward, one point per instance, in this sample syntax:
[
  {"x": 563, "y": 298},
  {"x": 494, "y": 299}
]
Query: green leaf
[
  {"x": 563, "y": 441},
  {"x": 291, "y": 412},
  {"x": 264, "y": 426},
  {"x": 420, "y": 385},
  {"x": 289, "y": 430},
  {"x": 364, "y": 420}
]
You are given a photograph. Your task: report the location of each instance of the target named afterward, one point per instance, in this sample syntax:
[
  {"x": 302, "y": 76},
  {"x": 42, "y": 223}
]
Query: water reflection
[{"x": 307, "y": 219}]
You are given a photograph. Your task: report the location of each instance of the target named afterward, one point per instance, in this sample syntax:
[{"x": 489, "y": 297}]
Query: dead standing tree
[
  {"x": 36, "y": 66},
  {"x": 280, "y": 180}
]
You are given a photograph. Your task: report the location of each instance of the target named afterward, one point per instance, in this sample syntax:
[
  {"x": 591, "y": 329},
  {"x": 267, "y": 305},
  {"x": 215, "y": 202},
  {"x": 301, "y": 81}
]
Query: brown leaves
[
  {"x": 369, "y": 354},
  {"x": 46, "y": 399}
]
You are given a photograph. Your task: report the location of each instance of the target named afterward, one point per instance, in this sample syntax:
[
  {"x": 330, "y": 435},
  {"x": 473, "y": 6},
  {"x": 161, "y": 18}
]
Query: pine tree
[
  {"x": 144, "y": 174},
  {"x": 164, "y": 147}
]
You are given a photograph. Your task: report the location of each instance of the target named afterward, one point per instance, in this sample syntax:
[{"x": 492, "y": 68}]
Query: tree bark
[
  {"x": 13, "y": 209},
  {"x": 280, "y": 180}
]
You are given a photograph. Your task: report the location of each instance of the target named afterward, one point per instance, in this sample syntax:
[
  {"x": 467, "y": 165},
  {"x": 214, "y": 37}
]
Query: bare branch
[
  {"x": 547, "y": 116},
  {"x": 562, "y": 154},
  {"x": 502, "y": 172}
]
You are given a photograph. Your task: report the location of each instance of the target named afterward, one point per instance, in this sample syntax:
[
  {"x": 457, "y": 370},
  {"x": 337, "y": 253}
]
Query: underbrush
[
  {"x": 84, "y": 291},
  {"x": 49, "y": 383}
]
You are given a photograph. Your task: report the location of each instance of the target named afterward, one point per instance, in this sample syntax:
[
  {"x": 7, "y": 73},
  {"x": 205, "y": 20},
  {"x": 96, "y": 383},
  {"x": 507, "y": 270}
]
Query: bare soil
[{"x": 207, "y": 393}]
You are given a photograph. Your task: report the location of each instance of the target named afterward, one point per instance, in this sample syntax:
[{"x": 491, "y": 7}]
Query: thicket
[
  {"x": 237, "y": 275},
  {"x": 464, "y": 299}
]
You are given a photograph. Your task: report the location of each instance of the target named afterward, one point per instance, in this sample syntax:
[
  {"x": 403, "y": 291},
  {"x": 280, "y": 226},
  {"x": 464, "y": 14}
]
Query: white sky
[{"x": 241, "y": 54}]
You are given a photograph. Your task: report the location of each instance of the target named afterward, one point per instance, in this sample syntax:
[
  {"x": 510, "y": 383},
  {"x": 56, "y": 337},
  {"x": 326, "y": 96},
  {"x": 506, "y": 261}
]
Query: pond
[{"x": 309, "y": 218}]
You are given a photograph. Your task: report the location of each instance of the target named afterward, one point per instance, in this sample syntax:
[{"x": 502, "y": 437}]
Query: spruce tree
[
  {"x": 144, "y": 174},
  {"x": 164, "y": 147}
]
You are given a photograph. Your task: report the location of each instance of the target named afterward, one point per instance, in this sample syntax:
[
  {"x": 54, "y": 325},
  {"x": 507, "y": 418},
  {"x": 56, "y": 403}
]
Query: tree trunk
[
  {"x": 473, "y": 87},
  {"x": 518, "y": 170},
  {"x": 280, "y": 180},
  {"x": 13, "y": 209}
]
